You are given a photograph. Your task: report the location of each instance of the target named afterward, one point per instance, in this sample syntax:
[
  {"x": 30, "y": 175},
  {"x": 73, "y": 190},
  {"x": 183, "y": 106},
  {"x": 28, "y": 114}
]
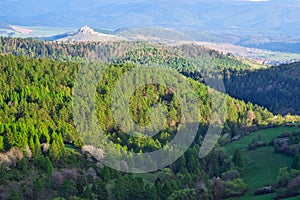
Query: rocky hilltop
[{"x": 86, "y": 33}]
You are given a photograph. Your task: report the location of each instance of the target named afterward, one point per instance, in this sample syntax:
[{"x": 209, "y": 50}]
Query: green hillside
[
  {"x": 276, "y": 88},
  {"x": 41, "y": 149},
  {"x": 36, "y": 110},
  {"x": 262, "y": 165}
]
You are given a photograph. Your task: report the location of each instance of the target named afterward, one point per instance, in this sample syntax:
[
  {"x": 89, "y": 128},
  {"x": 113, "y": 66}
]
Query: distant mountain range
[
  {"x": 228, "y": 44},
  {"x": 265, "y": 17},
  {"x": 264, "y": 24},
  {"x": 174, "y": 37},
  {"x": 288, "y": 44}
]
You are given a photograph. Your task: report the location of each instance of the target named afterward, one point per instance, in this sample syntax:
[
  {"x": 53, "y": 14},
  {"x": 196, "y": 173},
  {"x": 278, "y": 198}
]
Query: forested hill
[
  {"x": 182, "y": 57},
  {"x": 272, "y": 84},
  {"x": 38, "y": 93},
  {"x": 276, "y": 88},
  {"x": 36, "y": 123}
]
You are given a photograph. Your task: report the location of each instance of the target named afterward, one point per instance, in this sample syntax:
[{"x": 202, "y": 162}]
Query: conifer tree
[
  {"x": 296, "y": 163},
  {"x": 237, "y": 159}
]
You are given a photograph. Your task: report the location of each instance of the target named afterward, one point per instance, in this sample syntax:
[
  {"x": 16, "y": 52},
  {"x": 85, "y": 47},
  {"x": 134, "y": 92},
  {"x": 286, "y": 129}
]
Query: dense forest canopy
[
  {"x": 46, "y": 87},
  {"x": 277, "y": 86},
  {"x": 40, "y": 146},
  {"x": 36, "y": 111}
]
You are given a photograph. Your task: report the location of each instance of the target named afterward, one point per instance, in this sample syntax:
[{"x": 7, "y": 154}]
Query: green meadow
[{"x": 261, "y": 165}]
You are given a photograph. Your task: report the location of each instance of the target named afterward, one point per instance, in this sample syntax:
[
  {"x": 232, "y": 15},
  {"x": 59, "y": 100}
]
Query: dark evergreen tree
[
  {"x": 67, "y": 189},
  {"x": 296, "y": 162},
  {"x": 13, "y": 195},
  {"x": 237, "y": 160},
  {"x": 99, "y": 188}
]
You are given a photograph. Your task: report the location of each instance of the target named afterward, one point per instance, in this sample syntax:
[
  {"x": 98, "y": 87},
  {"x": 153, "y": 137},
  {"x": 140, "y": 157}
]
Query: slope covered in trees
[
  {"x": 40, "y": 145},
  {"x": 182, "y": 57},
  {"x": 37, "y": 135},
  {"x": 45, "y": 87},
  {"x": 276, "y": 88}
]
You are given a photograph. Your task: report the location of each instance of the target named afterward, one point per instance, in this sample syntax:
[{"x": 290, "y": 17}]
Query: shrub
[
  {"x": 235, "y": 188},
  {"x": 231, "y": 174}
]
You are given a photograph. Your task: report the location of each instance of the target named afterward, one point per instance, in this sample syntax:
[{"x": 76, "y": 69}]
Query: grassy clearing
[
  {"x": 261, "y": 165},
  {"x": 293, "y": 198}
]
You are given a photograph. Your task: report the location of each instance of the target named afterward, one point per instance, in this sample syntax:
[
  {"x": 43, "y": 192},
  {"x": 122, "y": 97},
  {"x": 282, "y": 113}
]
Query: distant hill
[
  {"x": 164, "y": 35},
  {"x": 85, "y": 33},
  {"x": 260, "y": 49}
]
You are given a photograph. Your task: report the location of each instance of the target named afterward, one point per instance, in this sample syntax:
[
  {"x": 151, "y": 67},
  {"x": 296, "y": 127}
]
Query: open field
[{"x": 261, "y": 165}]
